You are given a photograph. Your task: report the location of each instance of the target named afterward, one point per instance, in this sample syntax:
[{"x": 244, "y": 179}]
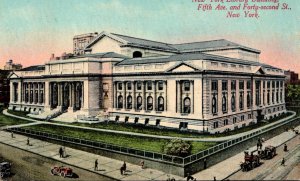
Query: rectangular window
[
  {"x": 139, "y": 86},
  {"x": 233, "y": 85},
  {"x": 186, "y": 86},
  {"x": 268, "y": 84},
  {"x": 120, "y": 86},
  {"x": 160, "y": 85},
  {"x": 224, "y": 85},
  {"x": 214, "y": 85},
  {"x": 216, "y": 124},
  {"x": 241, "y": 84},
  {"x": 249, "y": 116},
  {"x": 248, "y": 84},
  {"x": 234, "y": 120},
  {"x": 149, "y": 85},
  {"x": 242, "y": 118},
  {"x": 225, "y": 122},
  {"x": 129, "y": 86}
]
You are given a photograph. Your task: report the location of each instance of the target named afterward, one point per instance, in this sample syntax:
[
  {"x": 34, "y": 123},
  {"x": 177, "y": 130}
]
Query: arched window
[
  {"x": 161, "y": 105},
  {"x": 120, "y": 101},
  {"x": 233, "y": 102},
  {"x": 137, "y": 54},
  {"x": 129, "y": 102},
  {"x": 26, "y": 96},
  {"x": 224, "y": 103},
  {"x": 214, "y": 104},
  {"x": 139, "y": 103},
  {"x": 187, "y": 105},
  {"x": 41, "y": 99},
  {"x": 149, "y": 103},
  {"x": 241, "y": 100}
]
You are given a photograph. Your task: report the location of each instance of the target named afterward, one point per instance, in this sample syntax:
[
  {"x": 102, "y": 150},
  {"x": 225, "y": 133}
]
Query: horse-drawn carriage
[
  {"x": 268, "y": 153},
  {"x": 250, "y": 161}
]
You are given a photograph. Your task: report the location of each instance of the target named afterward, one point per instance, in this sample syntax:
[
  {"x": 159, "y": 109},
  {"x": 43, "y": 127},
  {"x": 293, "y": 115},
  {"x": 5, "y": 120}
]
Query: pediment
[
  {"x": 182, "y": 67},
  {"x": 259, "y": 71},
  {"x": 13, "y": 75},
  {"x": 105, "y": 35}
]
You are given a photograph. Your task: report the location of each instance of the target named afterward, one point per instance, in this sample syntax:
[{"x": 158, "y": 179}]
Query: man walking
[
  {"x": 96, "y": 165},
  {"x": 283, "y": 162},
  {"x": 60, "y": 151},
  {"x": 27, "y": 141}
]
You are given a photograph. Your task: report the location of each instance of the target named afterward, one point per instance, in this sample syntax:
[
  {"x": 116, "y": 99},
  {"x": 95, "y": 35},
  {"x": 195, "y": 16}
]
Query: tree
[{"x": 177, "y": 147}]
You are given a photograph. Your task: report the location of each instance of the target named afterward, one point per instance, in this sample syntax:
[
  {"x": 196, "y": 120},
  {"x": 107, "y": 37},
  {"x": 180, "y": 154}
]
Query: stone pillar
[
  {"x": 19, "y": 92},
  {"x": 124, "y": 94},
  {"x": 83, "y": 98},
  {"x": 178, "y": 96},
  {"x": 144, "y": 95},
  {"x": 47, "y": 94},
  {"x": 229, "y": 110},
  {"x": 71, "y": 96},
  {"x": 253, "y": 93},
  {"x": 192, "y": 96},
  {"x": 261, "y": 92},
  {"x": 154, "y": 95},
  {"x": 245, "y": 95},
  {"x": 134, "y": 95}
]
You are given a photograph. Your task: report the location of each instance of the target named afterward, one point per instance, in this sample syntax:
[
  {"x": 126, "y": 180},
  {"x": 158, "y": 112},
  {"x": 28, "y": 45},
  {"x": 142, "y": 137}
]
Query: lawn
[
  {"x": 141, "y": 143},
  {"x": 7, "y": 121}
]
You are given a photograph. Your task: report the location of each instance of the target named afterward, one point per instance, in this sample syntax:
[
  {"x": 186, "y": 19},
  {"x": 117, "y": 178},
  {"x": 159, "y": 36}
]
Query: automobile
[
  {"x": 5, "y": 169},
  {"x": 62, "y": 171}
]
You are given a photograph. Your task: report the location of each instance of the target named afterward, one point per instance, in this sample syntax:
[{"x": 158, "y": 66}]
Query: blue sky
[{"x": 30, "y": 30}]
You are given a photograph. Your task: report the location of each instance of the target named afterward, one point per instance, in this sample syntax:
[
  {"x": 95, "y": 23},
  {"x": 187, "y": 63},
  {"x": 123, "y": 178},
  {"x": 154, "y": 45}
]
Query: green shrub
[{"x": 177, "y": 147}]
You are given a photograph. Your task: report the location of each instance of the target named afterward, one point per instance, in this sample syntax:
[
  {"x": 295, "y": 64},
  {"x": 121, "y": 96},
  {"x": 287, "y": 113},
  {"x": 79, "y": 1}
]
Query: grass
[
  {"x": 141, "y": 143},
  {"x": 18, "y": 113},
  {"x": 8, "y": 121}
]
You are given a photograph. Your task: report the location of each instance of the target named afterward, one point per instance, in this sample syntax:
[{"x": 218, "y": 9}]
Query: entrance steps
[
  {"x": 68, "y": 116},
  {"x": 46, "y": 115}
]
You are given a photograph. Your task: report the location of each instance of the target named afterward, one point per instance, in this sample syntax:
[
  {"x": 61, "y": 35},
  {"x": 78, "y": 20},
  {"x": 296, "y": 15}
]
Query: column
[
  {"x": 59, "y": 95},
  {"x": 133, "y": 95},
  {"x": 83, "y": 98},
  {"x": 275, "y": 92},
  {"x": 237, "y": 96},
  {"x": 154, "y": 96},
  {"x": 192, "y": 96},
  {"x": 47, "y": 92},
  {"x": 178, "y": 99},
  {"x": 229, "y": 96},
  {"x": 19, "y": 92},
  {"x": 124, "y": 94},
  {"x": 71, "y": 103},
  {"x": 261, "y": 92},
  {"x": 245, "y": 94},
  {"x": 144, "y": 95},
  {"x": 253, "y": 93},
  {"x": 115, "y": 94}
]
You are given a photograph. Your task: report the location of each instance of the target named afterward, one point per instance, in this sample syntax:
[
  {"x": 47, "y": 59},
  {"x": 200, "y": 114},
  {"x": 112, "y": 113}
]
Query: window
[
  {"x": 268, "y": 98},
  {"x": 129, "y": 102},
  {"x": 248, "y": 100},
  {"x": 31, "y": 96},
  {"x": 137, "y": 54},
  {"x": 233, "y": 85},
  {"x": 214, "y": 104},
  {"x": 129, "y": 86},
  {"x": 161, "y": 104},
  {"x": 241, "y": 100},
  {"x": 224, "y": 85},
  {"x": 139, "y": 103},
  {"x": 242, "y": 118},
  {"x": 214, "y": 85},
  {"x": 249, "y": 116},
  {"x": 149, "y": 85},
  {"x": 187, "y": 105},
  {"x": 233, "y": 102},
  {"x": 234, "y": 120},
  {"x": 224, "y": 103},
  {"x": 216, "y": 124},
  {"x": 120, "y": 102},
  {"x": 268, "y": 84},
  {"x": 248, "y": 84},
  {"x": 186, "y": 86},
  {"x": 241, "y": 84},
  {"x": 138, "y": 86},
  {"x": 119, "y": 86},
  {"x": 225, "y": 122},
  {"x": 149, "y": 103},
  {"x": 157, "y": 122},
  {"x": 36, "y": 96},
  {"x": 160, "y": 85}
]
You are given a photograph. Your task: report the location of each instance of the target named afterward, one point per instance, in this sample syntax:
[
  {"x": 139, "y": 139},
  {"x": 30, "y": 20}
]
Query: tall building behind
[
  {"x": 12, "y": 66},
  {"x": 4, "y": 87},
  {"x": 80, "y": 41}
]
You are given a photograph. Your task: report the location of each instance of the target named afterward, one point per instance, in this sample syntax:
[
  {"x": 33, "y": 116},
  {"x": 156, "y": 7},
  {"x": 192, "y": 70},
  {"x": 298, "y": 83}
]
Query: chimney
[{"x": 52, "y": 57}]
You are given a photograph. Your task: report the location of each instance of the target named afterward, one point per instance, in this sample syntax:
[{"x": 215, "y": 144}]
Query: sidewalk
[
  {"x": 231, "y": 165},
  {"x": 107, "y": 166}
]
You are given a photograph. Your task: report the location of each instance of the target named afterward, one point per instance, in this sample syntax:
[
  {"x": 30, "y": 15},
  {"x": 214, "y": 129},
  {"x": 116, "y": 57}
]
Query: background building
[
  {"x": 4, "y": 87},
  {"x": 11, "y": 66}
]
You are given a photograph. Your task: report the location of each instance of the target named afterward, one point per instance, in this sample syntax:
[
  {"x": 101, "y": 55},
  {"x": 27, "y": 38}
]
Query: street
[
  {"x": 28, "y": 166},
  {"x": 272, "y": 169}
]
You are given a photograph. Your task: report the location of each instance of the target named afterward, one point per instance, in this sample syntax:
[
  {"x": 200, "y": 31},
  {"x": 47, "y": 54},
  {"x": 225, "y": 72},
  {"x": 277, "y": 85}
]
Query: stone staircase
[{"x": 46, "y": 115}]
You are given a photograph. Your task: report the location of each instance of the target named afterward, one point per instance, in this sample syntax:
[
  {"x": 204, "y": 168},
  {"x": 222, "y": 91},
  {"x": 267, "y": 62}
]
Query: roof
[
  {"x": 33, "y": 68},
  {"x": 145, "y": 43},
  {"x": 189, "y": 56},
  {"x": 176, "y": 48},
  {"x": 102, "y": 55},
  {"x": 222, "y": 43}
]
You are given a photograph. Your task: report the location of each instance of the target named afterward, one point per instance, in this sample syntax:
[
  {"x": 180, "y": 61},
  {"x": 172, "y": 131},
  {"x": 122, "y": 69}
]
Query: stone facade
[{"x": 180, "y": 86}]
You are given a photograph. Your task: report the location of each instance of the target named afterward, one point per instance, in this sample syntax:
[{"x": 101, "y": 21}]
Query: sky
[{"x": 31, "y": 30}]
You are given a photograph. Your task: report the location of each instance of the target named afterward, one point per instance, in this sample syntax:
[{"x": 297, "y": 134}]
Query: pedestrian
[
  {"x": 285, "y": 148},
  {"x": 204, "y": 163},
  {"x": 257, "y": 145},
  {"x": 215, "y": 178},
  {"x": 124, "y": 166},
  {"x": 96, "y": 165},
  {"x": 189, "y": 177},
  {"x": 283, "y": 161},
  {"x": 260, "y": 145},
  {"x": 60, "y": 151},
  {"x": 27, "y": 141},
  {"x": 142, "y": 164},
  {"x": 64, "y": 152},
  {"x": 12, "y": 134}
]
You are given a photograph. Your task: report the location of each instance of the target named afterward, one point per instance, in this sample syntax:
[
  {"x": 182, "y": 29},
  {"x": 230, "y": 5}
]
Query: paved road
[
  {"x": 27, "y": 167},
  {"x": 272, "y": 169}
]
